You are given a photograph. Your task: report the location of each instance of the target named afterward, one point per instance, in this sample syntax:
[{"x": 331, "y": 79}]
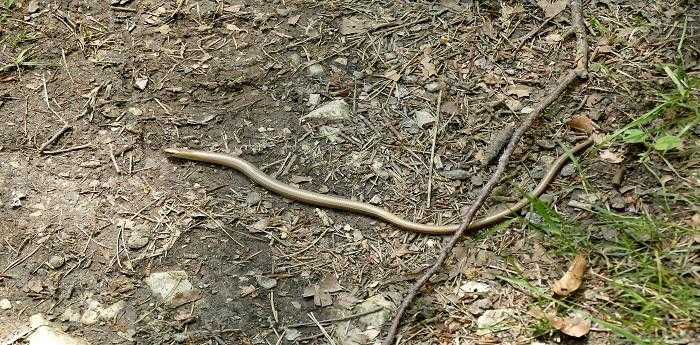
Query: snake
[{"x": 339, "y": 203}]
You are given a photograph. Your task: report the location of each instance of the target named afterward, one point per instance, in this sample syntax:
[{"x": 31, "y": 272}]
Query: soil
[{"x": 134, "y": 77}]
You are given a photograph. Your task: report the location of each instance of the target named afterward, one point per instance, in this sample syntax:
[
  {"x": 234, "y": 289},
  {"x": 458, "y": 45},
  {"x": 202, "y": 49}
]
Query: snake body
[{"x": 336, "y": 202}]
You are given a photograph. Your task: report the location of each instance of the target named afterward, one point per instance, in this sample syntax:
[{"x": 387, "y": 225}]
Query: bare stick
[
  {"x": 432, "y": 148},
  {"x": 580, "y": 70},
  {"x": 48, "y": 104},
  {"x": 69, "y": 149},
  {"x": 114, "y": 159},
  {"x": 53, "y": 138}
]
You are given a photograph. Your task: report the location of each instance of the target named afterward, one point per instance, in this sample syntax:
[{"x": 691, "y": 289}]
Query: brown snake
[{"x": 329, "y": 201}]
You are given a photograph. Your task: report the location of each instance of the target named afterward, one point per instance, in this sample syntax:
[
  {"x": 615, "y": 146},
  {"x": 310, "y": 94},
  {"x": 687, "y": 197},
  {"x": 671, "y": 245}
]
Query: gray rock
[
  {"x": 474, "y": 286},
  {"x": 377, "y": 319},
  {"x": 568, "y": 170},
  {"x": 618, "y": 202},
  {"x": 477, "y": 180},
  {"x": 141, "y": 83},
  {"x": 424, "y": 118},
  {"x": 456, "y": 174},
  {"x": 166, "y": 285},
  {"x": 253, "y": 198},
  {"x": 44, "y": 333},
  {"x": 33, "y": 6},
  {"x": 490, "y": 319},
  {"x": 56, "y": 261},
  {"x": 333, "y": 110},
  {"x": 316, "y": 70},
  {"x": 314, "y": 100},
  {"x": 477, "y": 307},
  {"x": 295, "y": 59},
  {"x": 265, "y": 282},
  {"x": 435, "y": 86},
  {"x": 138, "y": 239},
  {"x": 5, "y": 304},
  {"x": 545, "y": 144}
]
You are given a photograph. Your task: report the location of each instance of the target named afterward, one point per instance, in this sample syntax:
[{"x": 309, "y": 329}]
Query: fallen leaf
[
  {"x": 552, "y": 8},
  {"x": 392, "y": 75},
  {"x": 668, "y": 142},
  {"x": 514, "y": 104},
  {"x": 353, "y": 25},
  {"x": 330, "y": 284},
  {"x": 293, "y": 20},
  {"x": 429, "y": 68},
  {"x": 518, "y": 90},
  {"x": 611, "y": 157},
  {"x": 574, "y": 325},
  {"x": 571, "y": 280},
  {"x": 582, "y": 124},
  {"x": 695, "y": 221}
]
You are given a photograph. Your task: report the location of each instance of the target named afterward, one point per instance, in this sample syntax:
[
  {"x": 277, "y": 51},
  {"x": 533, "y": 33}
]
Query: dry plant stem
[
  {"x": 53, "y": 138},
  {"x": 580, "y": 70},
  {"x": 432, "y": 148}
]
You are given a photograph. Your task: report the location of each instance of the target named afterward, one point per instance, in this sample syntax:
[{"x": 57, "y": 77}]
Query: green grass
[{"x": 645, "y": 273}]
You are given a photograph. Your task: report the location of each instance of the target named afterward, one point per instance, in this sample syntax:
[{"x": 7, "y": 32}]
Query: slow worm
[{"x": 335, "y": 202}]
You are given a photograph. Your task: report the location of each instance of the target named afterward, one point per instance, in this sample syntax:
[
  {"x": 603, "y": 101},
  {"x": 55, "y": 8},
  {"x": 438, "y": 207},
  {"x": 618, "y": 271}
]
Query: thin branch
[
  {"x": 570, "y": 77},
  {"x": 432, "y": 148}
]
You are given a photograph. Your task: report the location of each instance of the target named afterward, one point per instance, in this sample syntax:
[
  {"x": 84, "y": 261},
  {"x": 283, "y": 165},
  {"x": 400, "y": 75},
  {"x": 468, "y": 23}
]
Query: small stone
[
  {"x": 138, "y": 239},
  {"x": 292, "y": 334},
  {"x": 266, "y": 283},
  {"x": 568, "y": 170},
  {"x": 316, "y": 70},
  {"x": 477, "y": 180},
  {"x": 545, "y": 144},
  {"x": 167, "y": 285},
  {"x": 435, "y": 86},
  {"x": 424, "y": 118},
  {"x": 333, "y": 110},
  {"x": 295, "y": 59},
  {"x": 56, "y": 261},
  {"x": 314, "y": 100},
  {"x": 332, "y": 134},
  {"x": 253, "y": 198},
  {"x": 92, "y": 312},
  {"x": 617, "y": 202},
  {"x": 323, "y": 189},
  {"x": 537, "y": 172},
  {"x": 487, "y": 322},
  {"x": 341, "y": 61},
  {"x": 141, "y": 83},
  {"x": 477, "y": 307},
  {"x": 473, "y": 286},
  {"x": 5, "y": 304},
  {"x": 376, "y": 200},
  {"x": 456, "y": 174},
  {"x": 577, "y": 204},
  {"x": 33, "y": 6},
  {"x": 534, "y": 218},
  {"x": 70, "y": 315}
]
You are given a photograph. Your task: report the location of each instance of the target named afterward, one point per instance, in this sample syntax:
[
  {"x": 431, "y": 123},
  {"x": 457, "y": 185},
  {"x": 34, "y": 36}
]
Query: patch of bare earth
[{"x": 112, "y": 241}]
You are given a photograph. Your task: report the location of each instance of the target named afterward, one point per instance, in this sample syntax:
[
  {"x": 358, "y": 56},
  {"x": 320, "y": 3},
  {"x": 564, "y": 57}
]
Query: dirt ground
[{"x": 86, "y": 219}]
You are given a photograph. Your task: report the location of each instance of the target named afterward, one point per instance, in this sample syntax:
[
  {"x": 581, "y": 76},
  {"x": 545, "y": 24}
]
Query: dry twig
[{"x": 579, "y": 71}]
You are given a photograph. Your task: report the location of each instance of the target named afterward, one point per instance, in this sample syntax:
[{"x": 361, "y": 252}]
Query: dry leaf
[
  {"x": 353, "y": 25},
  {"x": 428, "y": 67},
  {"x": 610, "y": 157},
  {"x": 571, "y": 280},
  {"x": 552, "y": 8},
  {"x": 518, "y": 90},
  {"x": 582, "y": 124},
  {"x": 575, "y": 325},
  {"x": 392, "y": 75}
]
